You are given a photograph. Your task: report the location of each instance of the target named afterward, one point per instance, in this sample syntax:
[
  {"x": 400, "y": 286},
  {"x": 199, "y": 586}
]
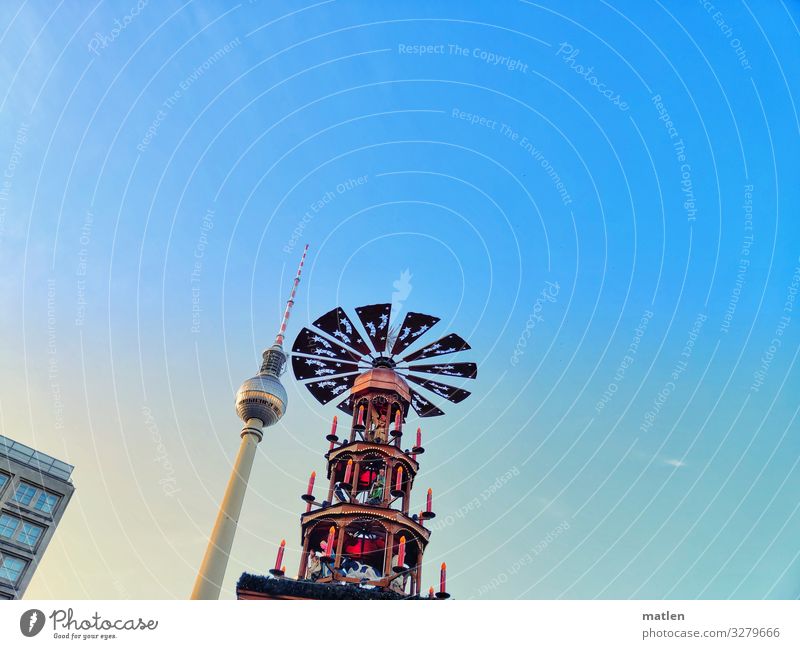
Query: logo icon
[{"x": 31, "y": 622}]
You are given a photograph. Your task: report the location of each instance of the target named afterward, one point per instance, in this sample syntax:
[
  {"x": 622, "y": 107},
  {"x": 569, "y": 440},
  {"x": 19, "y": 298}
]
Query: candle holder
[
  {"x": 426, "y": 516},
  {"x": 275, "y": 572},
  {"x": 396, "y": 432},
  {"x": 309, "y": 498},
  {"x": 418, "y": 450},
  {"x": 442, "y": 595},
  {"x": 331, "y": 437},
  {"x": 397, "y": 493},
  {"x": 399, "y": 570}
]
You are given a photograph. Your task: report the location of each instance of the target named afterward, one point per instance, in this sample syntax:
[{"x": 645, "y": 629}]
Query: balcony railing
[{"x": 35, "y": 459}]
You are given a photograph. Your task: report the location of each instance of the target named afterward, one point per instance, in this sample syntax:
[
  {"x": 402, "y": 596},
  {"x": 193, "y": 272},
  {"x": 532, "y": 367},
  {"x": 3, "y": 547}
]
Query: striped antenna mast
[{"x": 290, "y": 302}]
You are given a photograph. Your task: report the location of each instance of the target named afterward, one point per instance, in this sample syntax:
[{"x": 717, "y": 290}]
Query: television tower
[{"x": 260, "y": 402}]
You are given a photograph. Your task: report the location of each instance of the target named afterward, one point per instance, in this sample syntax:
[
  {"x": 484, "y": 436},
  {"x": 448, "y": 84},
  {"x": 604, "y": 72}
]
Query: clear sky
[{"x": 601, "y": 197}]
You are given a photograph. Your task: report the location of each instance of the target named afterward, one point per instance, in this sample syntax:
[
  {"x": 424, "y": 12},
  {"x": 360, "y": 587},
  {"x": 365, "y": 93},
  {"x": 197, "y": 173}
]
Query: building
[
  {"x": 363, "y": 539},
  {"x": 34, "y": 492}
]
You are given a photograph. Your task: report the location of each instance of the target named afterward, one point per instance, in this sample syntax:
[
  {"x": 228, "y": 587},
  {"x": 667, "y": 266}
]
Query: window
[
  {"x": 11, "y": 568},
  {"x": 46, "y": 502},
  {"x": 14, "y": 529},
  {"x": 38, "y": 499},
  {"x": 24, "y": 494},
  {"x": 30, "y": 534},
  {"x": 8, "y": 526},
  {"x": 3, "y": 480}
]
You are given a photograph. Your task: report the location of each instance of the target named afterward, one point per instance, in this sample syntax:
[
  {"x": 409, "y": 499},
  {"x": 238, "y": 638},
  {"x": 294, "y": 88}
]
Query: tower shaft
[{"x": 212, "y": 571}]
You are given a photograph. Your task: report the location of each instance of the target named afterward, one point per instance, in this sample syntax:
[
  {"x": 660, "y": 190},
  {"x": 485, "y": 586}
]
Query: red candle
[
  {"x": 401, "y": 552},
  {"x": 311, "y": 482},
  {"x": 361, "y": 415},
  {"x": 397, "y": 422},
  {"x": 419, "y": 437},
  {"x": 333, "y": 425},
  {"x": 398, "y": 485},
  {"x": 280, "y": 555},
  {"x": 429, "y": 500},
  {"x": 348, "y": 471},
  {"x": 330, "y": 448},
  {"x": 430, "y": 593},
  {"x": 329, "y": 547},
  {"x": 443, "y": 579}
]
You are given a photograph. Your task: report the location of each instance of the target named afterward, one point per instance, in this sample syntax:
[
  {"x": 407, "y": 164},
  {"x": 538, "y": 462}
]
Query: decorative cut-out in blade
[
  {"x": 314, "y": 344},
  {"x": 346, "y": 407},
  {"x": 447, "y": 345},
  {"x": 423, "y": 407},
  {"x": 375, "y": 318},
  {"x": 336, "y": 323},
  {"x": 306, "y": 367},
  {"x": 456, "y": 395},
  {"x": 414, "y": 325},
  {"x": 463, "y": 370},
  {"x": 328, "y": 389}
]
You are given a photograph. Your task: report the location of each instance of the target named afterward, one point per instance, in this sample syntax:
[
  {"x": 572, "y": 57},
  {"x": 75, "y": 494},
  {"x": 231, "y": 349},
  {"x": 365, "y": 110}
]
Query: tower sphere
[{"x": 261, "y": 397}]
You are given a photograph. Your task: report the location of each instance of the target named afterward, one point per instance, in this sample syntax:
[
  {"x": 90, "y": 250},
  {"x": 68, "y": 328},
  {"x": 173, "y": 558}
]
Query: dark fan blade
[
  {"x": 423, "y": 407},
  {"x": 463, "y": 370},
  {"x": 345, "y": 407},
  {"x": 447, "y": 345},
  {"x": 328, "y": 389},
  {"x": 336, "y": 323},
  {"x": 456, "y": 395},
  {"x": 306, "y": 367},
  {"x": 314, "y": 344},
  {"x": 375, "y": 318},
  {"x": 414, "y": 325}
]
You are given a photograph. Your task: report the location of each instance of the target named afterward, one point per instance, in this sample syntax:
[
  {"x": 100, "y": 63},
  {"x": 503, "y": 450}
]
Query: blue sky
[{"x": 635, "y": 161}]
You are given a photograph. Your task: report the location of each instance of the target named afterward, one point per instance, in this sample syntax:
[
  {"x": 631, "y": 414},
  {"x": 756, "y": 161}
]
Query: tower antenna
[{"x": 290, "y": 301}]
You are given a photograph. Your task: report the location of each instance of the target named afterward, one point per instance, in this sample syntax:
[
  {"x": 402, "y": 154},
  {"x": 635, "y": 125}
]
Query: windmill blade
[
  {"x": 306, "y": 367},
  {"x": 461, "y": 370},
  {"x": 346, "y": 407},
  {"x": 330, "y": 388},
  {"x": 423, "y": 407},
  {"x": 456, "y": 395},
  {"x": 449, "y": 344},
  {"x": 335, "y": 323},
  {"x": 414, "y": 325},
  {"x": 375, "y": 318},
  {"x": 314, "y": 344}
]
